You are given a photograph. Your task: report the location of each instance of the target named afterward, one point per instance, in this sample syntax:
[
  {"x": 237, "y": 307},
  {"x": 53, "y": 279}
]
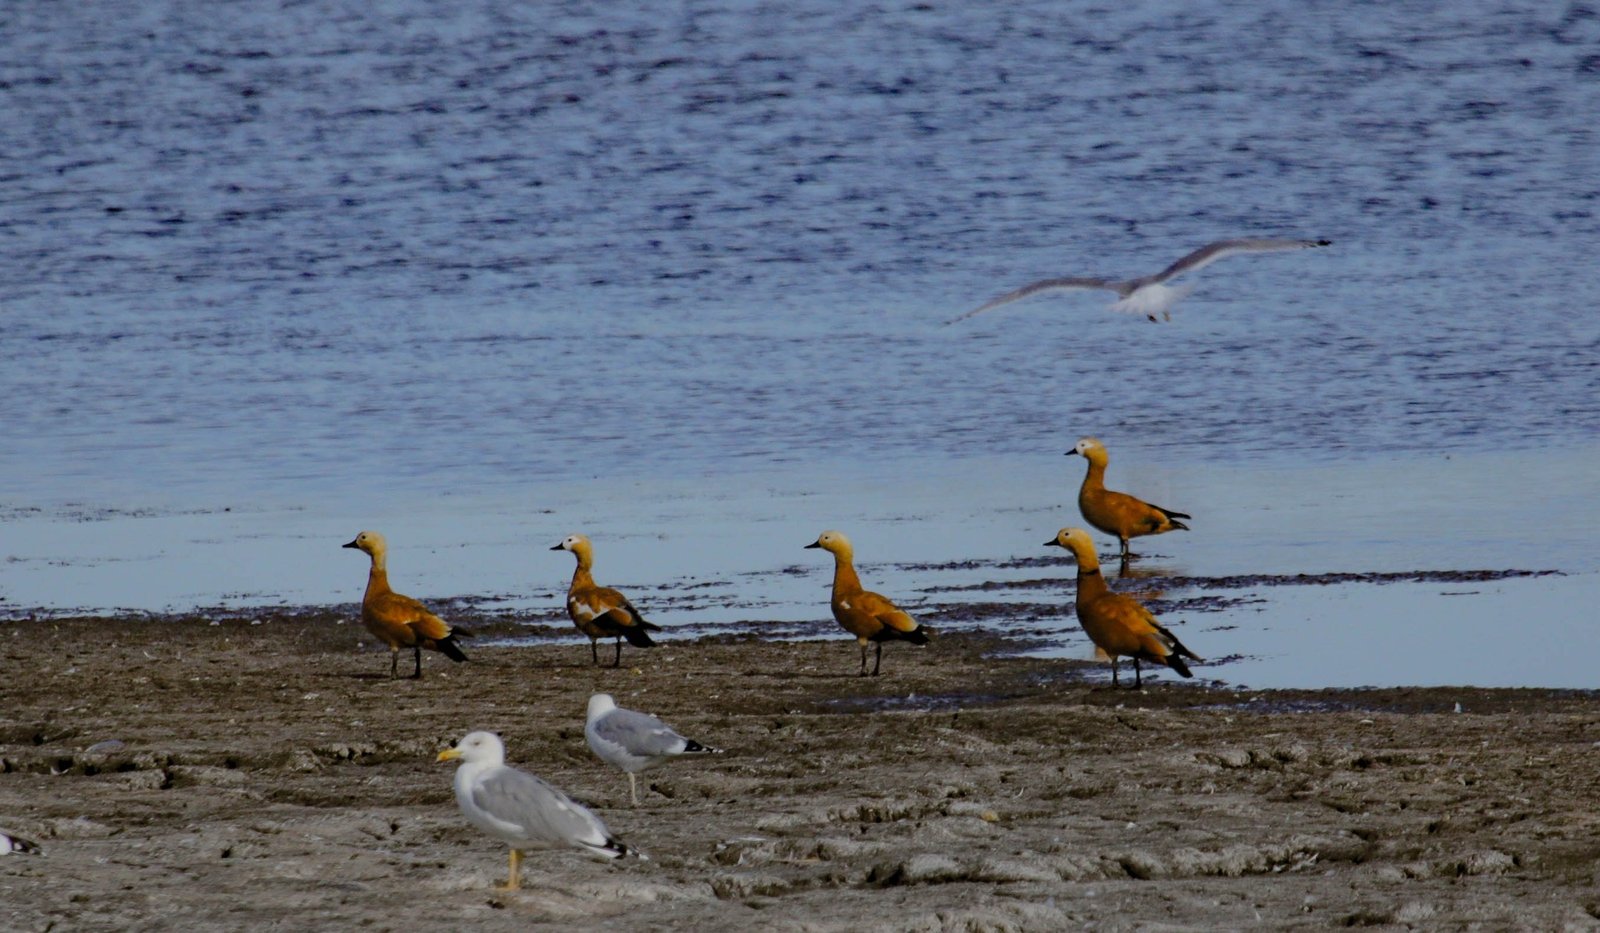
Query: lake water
[{"x": 483, "y": 276}]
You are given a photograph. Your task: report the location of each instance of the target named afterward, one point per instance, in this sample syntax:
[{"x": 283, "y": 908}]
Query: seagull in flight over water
[{"x": 1150, "y": 295}]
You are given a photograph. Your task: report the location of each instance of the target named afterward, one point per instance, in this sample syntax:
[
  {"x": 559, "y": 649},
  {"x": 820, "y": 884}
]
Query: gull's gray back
[
  {"x": 543, "y": 817},
  {"x": 640, "y": 735}
]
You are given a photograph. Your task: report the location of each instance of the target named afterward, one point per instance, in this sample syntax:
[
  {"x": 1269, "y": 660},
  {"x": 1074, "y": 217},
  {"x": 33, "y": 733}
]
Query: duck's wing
[{"x": 398, "y": 610}]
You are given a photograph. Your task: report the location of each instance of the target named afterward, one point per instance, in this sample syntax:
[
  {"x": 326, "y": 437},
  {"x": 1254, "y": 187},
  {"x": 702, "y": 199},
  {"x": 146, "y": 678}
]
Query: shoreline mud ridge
[{"x": 227, "y": 773}]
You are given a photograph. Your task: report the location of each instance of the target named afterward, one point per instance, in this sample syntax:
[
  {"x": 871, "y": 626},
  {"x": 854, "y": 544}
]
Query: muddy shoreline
[{"x": 265, "y": 771}]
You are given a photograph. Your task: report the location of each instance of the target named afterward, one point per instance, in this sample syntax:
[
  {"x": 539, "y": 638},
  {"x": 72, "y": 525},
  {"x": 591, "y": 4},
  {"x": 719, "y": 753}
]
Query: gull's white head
[
  {"x": 476, "y": 748},
  {"x": 600, "y": 704}
]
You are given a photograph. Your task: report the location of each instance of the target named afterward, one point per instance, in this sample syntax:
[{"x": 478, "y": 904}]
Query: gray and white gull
[
  {"x": 1150, "y": 295},
  {"x": 521, "y": 810},
  {"x": 11, "y": 842},
  {"x": 634, "y": 741}
]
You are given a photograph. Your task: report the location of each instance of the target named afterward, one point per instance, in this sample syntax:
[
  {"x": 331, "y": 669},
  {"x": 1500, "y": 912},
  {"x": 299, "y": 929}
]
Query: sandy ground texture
[{"x": 271, "y": 775}]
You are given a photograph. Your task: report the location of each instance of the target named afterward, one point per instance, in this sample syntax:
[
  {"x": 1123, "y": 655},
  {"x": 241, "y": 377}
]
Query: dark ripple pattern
[{"x": 300, "y": 248}]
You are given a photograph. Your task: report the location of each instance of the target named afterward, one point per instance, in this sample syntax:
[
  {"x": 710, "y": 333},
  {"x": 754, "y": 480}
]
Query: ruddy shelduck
[
  {"x": 522, "y": 810},
  {"x": 1117, "y": 513},
  {"x": 400, "y": 621},
  {"x": 871, "y": 618},
  {"x": 634, "y": 741},
  {"x": 599, "y": 611},
  {"x": 1118, "y": 625}
]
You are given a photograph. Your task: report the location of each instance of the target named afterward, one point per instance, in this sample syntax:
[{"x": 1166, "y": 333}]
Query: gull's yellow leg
[{"x": 514, "y": 878}]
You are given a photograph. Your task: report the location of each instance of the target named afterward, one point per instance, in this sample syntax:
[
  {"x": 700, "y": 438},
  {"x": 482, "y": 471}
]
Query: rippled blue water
[
  {"x": 308, "y": 248},
  {"x": 335, "y": 255}
]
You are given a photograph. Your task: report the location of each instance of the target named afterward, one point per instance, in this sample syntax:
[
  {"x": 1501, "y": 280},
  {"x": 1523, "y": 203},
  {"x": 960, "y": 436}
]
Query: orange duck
[
  {"x": 599, "y": 611},
  {"x": 1117, "y": 513},
  {"x": 1118, "y": 625},
  {"x": 400, "y": 621},
  {"x": 866, "y": 615}
]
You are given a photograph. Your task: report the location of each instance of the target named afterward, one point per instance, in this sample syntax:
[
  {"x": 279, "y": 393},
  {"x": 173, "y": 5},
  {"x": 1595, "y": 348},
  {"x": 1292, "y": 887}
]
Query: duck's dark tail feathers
[
  {"x": 917, "y": 636},
  {"x": 447, "y": 646},
  {"x": 1178, "y": 652},
  {"x": 638, "y": 637}
]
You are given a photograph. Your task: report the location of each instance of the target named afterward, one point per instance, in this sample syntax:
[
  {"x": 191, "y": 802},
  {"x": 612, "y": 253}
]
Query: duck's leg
[
  {"x": 877, "y": 659},
  {"x": 394, "y": 662},
  {"x": 1138, "y": 681},
  {"x": 1115, "y": 683},
  {"x": 617, "y": 662},
  {"x": 594, "y": 650},
  {"x": 417, "y": 674},
  {"x": 863, "y": 658}
]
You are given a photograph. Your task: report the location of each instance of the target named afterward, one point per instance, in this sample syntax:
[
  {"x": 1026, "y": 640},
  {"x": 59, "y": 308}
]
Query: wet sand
[{"x": 271, "y": 773}]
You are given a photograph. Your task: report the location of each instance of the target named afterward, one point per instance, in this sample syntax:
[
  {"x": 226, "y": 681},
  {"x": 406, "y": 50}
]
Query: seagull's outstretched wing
[
  {"x": 1206, "y": 255},
  {"x": 1039, "y": 288}
]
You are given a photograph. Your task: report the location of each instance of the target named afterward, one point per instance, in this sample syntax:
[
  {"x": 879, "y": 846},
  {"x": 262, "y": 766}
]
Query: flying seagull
[{"x": 1150, "y": 295}]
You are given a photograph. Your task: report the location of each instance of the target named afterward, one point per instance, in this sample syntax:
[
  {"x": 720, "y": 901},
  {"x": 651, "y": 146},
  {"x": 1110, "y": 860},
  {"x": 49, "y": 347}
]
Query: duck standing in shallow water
[
  {"x": 1117, "y": 513},
  {"x": 599, "y": 611},
  {"x": 1118, "y": 625},
  {"x": 869, "y": 617}
]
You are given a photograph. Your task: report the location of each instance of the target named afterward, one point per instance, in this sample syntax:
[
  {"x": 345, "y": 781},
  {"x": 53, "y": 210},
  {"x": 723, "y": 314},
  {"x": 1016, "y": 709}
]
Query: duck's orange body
[
  {"x": 871, "y": 618},
  {"x": 599, "y": 611},
  {"x": 400, "y": 621},
  {"x": 1118, "y": 625},
  {"x": 1117, "y": 513}
]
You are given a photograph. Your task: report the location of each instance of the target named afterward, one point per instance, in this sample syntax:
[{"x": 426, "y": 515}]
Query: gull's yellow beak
[{"x": 448, "y": 754}]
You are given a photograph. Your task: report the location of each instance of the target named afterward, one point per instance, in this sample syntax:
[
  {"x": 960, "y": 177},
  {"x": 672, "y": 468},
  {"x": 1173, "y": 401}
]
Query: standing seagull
[
  {"x": 521, "y": 810},
  {"x": 1150, "y": 295},
  {"x": 634, "y": 741},
  {"x": 1117, "y": 624},
  {"x": 600, "y": 611},
  {"x": 400, "y": 621}
]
